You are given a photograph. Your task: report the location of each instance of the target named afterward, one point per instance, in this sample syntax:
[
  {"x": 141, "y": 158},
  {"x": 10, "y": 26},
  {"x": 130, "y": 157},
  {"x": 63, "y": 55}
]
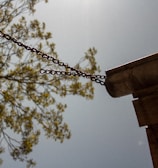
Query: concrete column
[
  {"x": 152, "y": 134},
  {"x": 146, "y": 108},
  {"x": 139, "y": 78}
]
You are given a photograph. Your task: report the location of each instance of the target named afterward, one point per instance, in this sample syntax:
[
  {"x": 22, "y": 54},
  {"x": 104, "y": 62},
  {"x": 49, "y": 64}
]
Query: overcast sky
[{"x": 105, "y": 131}]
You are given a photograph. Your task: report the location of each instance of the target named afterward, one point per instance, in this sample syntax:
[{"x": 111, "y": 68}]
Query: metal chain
[{"x": 73, "y": 72}]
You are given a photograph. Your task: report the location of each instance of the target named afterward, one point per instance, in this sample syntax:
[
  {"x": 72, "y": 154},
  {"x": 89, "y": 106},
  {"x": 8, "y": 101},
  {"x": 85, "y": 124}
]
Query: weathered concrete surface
[
  {"x": 133, "y": 76},
  {"x": 146, "y": 109},
  {"x": 152, "y": 134},
  {"x": 139, "y": 78}
]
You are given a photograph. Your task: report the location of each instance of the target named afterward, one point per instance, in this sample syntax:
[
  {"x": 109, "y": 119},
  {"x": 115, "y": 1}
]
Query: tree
[{"x": 28, "y": 102}]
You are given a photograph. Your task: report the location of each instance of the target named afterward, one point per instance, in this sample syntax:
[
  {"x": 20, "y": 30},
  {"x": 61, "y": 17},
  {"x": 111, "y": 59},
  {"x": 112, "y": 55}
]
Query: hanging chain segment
[{"x": 73, "y": 72}]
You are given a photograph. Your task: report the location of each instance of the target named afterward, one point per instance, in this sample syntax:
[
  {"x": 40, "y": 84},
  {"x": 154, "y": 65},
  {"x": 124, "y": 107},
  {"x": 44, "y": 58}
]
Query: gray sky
[{"x": 105, "y": 131}]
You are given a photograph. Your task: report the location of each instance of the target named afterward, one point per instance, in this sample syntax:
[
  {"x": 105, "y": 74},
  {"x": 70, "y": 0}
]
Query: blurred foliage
[{"x": 28, "y": 99}]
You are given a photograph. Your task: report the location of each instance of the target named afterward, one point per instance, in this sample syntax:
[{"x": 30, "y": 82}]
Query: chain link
[{"x": 72, "y": 71}]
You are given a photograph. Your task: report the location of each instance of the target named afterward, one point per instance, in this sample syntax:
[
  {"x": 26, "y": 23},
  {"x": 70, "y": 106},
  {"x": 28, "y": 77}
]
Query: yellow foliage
[{"x": 28, "y": 99}]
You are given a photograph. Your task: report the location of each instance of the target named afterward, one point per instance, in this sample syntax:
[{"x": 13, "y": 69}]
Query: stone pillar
[
  {"x": 152, "y": 134},
  {"x": 146, "y": 108},
  {"x": 139, "y": 78}
]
